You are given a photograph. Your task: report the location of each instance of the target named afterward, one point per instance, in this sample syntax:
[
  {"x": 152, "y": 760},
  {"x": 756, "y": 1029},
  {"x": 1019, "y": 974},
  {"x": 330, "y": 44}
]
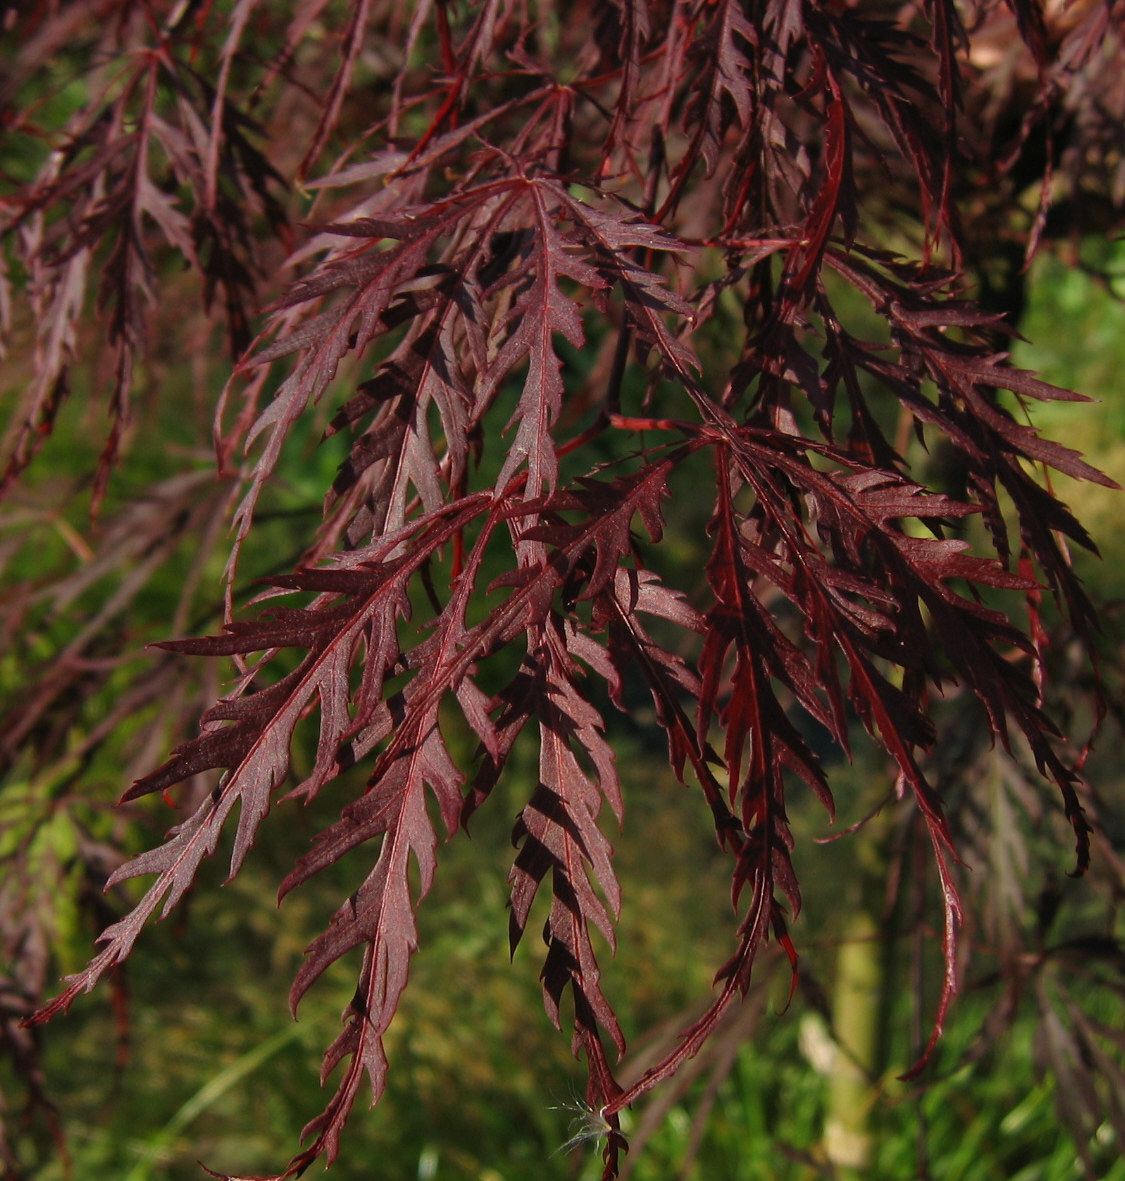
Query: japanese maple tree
[{"x": 557, "y": 268}]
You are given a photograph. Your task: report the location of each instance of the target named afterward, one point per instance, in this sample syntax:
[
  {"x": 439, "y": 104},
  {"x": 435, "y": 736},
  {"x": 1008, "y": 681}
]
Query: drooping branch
[{"x": 694, "y": 190}]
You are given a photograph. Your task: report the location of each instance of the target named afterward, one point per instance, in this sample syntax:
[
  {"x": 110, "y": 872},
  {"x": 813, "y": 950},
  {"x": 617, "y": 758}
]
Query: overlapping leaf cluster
[{"x": 515, "y": 186}]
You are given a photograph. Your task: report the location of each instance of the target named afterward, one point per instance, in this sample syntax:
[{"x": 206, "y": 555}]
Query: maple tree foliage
[{"x": 421, "y": 215}]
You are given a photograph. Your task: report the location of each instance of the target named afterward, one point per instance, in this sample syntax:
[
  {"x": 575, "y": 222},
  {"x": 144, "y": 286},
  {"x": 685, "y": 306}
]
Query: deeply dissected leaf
[{"x": 519, "y": 252}]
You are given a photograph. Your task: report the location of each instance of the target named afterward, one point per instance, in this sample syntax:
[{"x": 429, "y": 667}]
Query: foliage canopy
[{"x": 562, "y": 272}]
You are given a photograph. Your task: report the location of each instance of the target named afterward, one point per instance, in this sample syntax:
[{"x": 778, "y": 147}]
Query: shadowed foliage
[{"x": 568, "y": 275}]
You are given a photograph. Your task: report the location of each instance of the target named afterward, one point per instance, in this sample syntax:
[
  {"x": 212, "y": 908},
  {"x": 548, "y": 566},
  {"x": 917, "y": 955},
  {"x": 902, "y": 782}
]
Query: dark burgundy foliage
[{"x": 441, "y": 206}]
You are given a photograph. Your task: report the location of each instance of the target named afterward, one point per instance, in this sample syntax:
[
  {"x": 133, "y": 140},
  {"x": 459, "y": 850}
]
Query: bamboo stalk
[{"x": 848, "y": 1141}]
